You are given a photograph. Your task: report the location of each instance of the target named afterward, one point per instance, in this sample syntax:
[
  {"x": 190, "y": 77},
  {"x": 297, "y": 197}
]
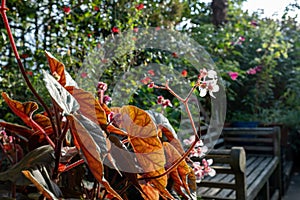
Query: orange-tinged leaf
[
  {"x": 172, "y": 138},
  {"x": 152, "y": 193},
  {"x": 115, "y": 109},
  {"x": 112, "y": 129},
  {"x": 182, "y": 170},
  {"x": 89, "y": 106},
  {"x": 57, "y": 68},
  {"x": 167, "y": 130},
  {"x": 22, "y": 110},
  {"x": 92, "y": 109},
  {"x": 90, "y": 151},
  {"x": 42, "y": 189},
  {"x": 42, "y": 120},
  {"x": 106, "y": 109},
  {"x": 142, "y": 135}
]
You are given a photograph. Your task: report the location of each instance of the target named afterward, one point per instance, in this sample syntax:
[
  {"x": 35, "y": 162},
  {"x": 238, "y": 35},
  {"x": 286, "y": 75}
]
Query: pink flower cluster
[
  {"x": 199, "y": 149},
  {"x": 203, "y": 169},
  {"x": 164, "y": 102},
  {"x": 254, "y": 70}
]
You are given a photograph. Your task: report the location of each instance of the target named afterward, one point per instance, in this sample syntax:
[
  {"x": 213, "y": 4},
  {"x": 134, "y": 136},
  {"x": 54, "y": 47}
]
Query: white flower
[{"x": 211, "y": 86}]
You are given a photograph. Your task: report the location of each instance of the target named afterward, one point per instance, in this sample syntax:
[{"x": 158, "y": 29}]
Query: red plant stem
[
  {"x": 75, "y": 164},
  {"x": 3, "y": 10},
  {"x": 40, "y": 129},
  {"x": 59, "y": 143}
]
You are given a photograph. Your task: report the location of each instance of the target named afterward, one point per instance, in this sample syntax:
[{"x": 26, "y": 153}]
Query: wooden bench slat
[{"x": 269, "y": 169}]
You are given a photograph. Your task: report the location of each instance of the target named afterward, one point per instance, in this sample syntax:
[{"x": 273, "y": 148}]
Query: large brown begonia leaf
[
  {"x": 180, "y": 173},
  {"x": 91, "y": 152},
  {"x": 36, "y": 179},
  {"x": 142, "y": 135},
  {"x": 167, "y": 130},
  {"x": 57, "y": 68},
  {"x": 22, "y": 110},
  {"x": 91, "y": 108}
]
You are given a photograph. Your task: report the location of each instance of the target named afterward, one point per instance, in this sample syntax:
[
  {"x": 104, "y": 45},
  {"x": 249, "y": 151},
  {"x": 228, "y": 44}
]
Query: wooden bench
[{"x": 247, "y": 165}]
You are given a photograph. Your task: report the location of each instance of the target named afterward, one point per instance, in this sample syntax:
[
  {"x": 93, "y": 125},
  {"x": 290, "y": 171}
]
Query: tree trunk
[{"x": 219, "y": 8}]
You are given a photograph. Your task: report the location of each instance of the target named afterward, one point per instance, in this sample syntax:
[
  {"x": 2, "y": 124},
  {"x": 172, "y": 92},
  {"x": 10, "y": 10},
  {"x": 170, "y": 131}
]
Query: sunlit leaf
[
  {"x": 167, "y": 130},
  {"x": 146, "y": 144},
  {"x": 91, "y": 108},
  {"x": 180, "y": 173},
  {"x": 57, "y": 68},
  {"x": 22, "y": 110},
  {"x": 60, "y": 95},
  {"x": 152, "y": 193},
  {"x": 90, "y": 150},
  {"x": 127, "y": 162},
  {"x": 46, "y": 193},
  {"x": 42, "y": 120},
  {"x": 106, "y": 109},
  {"x": 172, "y": 138}
]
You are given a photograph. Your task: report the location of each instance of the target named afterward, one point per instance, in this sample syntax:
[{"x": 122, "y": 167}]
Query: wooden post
[
  {"x": 277, "y": 152},
  {"x": 238, "y": 165}
]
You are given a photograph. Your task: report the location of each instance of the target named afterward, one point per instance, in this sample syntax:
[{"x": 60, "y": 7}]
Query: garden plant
[{"x": 114, "y": 152}]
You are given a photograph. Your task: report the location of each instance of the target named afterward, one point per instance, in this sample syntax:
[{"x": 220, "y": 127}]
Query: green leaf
[{"x": 60, "y": 95}]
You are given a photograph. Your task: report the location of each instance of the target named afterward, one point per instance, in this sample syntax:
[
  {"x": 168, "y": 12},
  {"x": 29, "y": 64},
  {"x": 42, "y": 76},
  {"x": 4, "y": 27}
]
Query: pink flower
[
  {"x": 157, "y": 28},
  {"x": 233, "y": 75},
  {"x": 251, "y": 71},
  {"x": 115, "y": 30},
  {"x": 242, "y": 39},
  {"x": 160, "y": 99},
  {"x": 167, "y": 103},
  {"x": 258, "y": 68},
  {"x": 96, "y": 8},
  {"x": 254, "y": 23},
  {"x": 151, "y": 72},
  {"x": 184, "y": 73},
  {"x": 151, "y": 85},
  {"x": 174, "y": 54},
  {"x": 67, "y": 10},
  {"x": 84, "y": 75},
  {"x": 146, "y": 80},
  {"x": 140, "y": 6},
  {"x": 135, "y": 29},
  {"x": 102, "y": 86},
  {"x": 106, "y": 99}
]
